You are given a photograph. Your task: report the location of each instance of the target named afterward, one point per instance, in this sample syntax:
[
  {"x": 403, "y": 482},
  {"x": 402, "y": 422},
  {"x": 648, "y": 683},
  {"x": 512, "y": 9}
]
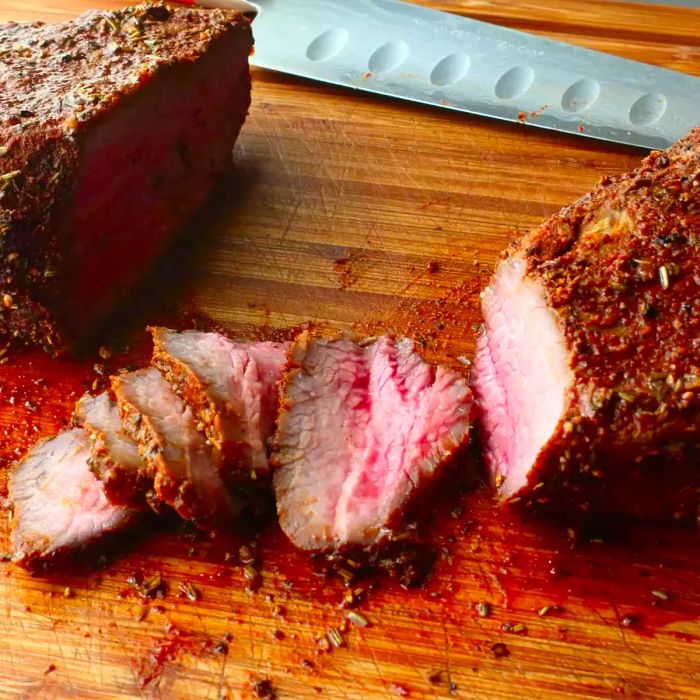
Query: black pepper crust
[
  {"x": 621, "y": 268},
  {"x": 58, "y": 81}
]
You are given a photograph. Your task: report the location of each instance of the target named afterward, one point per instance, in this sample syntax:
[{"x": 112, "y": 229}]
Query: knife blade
[{"x": 402, "y": 50}]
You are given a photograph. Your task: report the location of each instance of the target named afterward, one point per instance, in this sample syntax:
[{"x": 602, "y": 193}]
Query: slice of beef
[
  {"x": 59, "y": 504},
  {"x": 114, "y": 457},
  {"x": 364, "y": 428},
  {"x": 588, "y": 372},
  {"x": 113, "y": 129},
  {"x": 232, "y": 388},
  {"x": 177, "y": 455}
]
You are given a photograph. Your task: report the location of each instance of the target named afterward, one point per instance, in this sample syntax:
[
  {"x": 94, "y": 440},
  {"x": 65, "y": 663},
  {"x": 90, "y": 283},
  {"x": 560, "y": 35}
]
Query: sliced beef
[
  {"x": 364, "y": 428},
  {"x": 232, "y": 388},
  {"x": 114, "y": 457},
  {"x": 113, "y": 129},
  {"x": 59, "y": 504},
  {"x": 588, "y": 371},
  {"x": 177, "y": 455}
]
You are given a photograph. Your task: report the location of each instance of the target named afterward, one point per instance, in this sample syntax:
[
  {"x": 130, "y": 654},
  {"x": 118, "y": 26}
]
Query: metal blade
[{"x": 402, "y": 50}]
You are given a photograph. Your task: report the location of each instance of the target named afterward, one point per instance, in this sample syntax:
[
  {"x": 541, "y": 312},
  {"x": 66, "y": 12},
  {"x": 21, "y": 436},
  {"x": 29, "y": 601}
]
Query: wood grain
[{"x": 337, "y": 204}]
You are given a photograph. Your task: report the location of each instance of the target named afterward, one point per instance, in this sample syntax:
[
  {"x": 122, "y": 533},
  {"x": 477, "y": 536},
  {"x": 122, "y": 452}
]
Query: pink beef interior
[
  {"x": 58, "y": 502},
  {"x": 145, "y": 170},
  {"x": 365, "y": 428},
  {"x": 521, "y": 374}
]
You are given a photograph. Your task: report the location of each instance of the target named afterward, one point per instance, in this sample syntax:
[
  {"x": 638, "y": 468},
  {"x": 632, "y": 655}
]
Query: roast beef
[
  {"x": 232, "y": 389},
  {"x": 588, "y": 371},
  {"x": 363, "y": 429},
  {"x": 113, "y": 128},
  {"x": 58, "y": 503},
  {"x": 114, "y": 457},
  {"x": 176, "y": 454}
]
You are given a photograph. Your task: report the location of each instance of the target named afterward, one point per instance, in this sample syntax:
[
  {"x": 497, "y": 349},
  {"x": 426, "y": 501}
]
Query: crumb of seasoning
[
  {"x": 483, "y": 609},
  {"x": 68, "y": 592},
  {"x": 432, "y": 266},
  {"x": 335, "y": 638},
  {"x": 435, "y": 677},
  {"x": 50, "y": 668},
  {"x": 628, "y": 621},
  {"x": 549, "y": 609},
  {"x": 400, "y": 690},
  {"x": 221, "y": 648},
  {"x": 500, "y": 650},
  {"x": 452, "y": 688},
  {"x": 154, "y": 586},
  {"x": 262, "y": 689},
  {"x": 187, "y": 590},
  {"x": 522, "y": 117},
  {"x": 357, "y": 619},
  {"x": 661, "y": 595}
]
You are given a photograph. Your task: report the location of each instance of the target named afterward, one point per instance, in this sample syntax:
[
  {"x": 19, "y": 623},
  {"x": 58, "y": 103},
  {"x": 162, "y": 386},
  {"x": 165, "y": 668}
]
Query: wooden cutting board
[{"x": 351, "y": 209}]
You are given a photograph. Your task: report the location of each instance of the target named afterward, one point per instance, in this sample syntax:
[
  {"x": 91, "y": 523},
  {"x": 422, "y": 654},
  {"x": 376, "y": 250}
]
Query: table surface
[{"x": 338, "y": 204}]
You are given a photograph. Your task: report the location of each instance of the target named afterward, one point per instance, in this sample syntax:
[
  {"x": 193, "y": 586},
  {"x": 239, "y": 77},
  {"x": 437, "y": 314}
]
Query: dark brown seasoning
[
  {"x": 262, "y": 689},
  {"x": 500, "y": 650}
]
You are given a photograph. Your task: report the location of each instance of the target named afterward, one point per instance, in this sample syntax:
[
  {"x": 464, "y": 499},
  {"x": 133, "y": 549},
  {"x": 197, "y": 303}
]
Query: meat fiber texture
[
  {"x": 363, "y": 430},
  {"x": 59, "y": 505},
  {"x": 175, "y": 454},
  {"x": 588, "y": 371},
  {"x": 232, "y": 389},
  {"x": 113, "y": 129},
  {"x": 114, "y": 456}
]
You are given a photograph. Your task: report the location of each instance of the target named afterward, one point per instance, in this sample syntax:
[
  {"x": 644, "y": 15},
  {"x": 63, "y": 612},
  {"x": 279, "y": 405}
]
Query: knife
[{"x": 407, "y": 51}]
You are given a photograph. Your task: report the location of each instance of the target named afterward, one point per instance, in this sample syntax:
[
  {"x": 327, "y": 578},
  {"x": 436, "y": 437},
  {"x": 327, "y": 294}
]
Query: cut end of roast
[
  {"x": 521, "y": 375},
  {"x": 363, "y": 429},
  {"x": 232, "y": 389},
  {"x": 117, "y": 134},
  {"x": 59, "y": 504},
  {"x": 586, "y": 375}
]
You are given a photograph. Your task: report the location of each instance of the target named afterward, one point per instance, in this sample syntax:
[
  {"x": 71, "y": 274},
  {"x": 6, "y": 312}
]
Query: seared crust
[
  {"x": 172, "y": 475},
  {"x": 190, "y": 389},
  {"x": 139, "y": 429},
  {"x": 621, "y": 268},
  {"x": 125, "y": 483},
  {"x": 122, "y": 486},
  {"x": 58, "y": 82}
]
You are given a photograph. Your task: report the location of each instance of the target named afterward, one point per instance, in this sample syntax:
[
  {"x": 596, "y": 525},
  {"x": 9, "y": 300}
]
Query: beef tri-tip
[
  {"x": 175, "y": 454},
  {"x": 588, "y": 372},
  {"x": 59, "y": 505},
  {"x": 114, "y": 456},
  {"x": 232, "y": 389},
  {"x": 364, "y": 429},
  {"x": 113, "y": 129}
]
